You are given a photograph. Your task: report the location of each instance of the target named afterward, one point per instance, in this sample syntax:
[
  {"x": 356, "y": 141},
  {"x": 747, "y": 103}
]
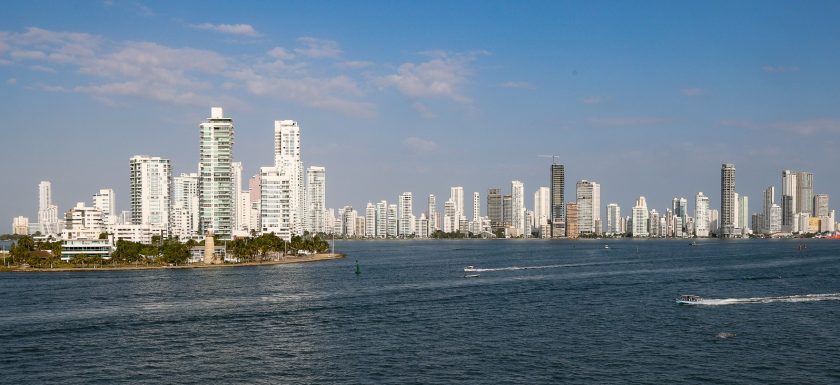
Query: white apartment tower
[
  {"x": 288, "y": 162},
  {"x": 456, "y": 195},
  {"x": 216, "y": 199},
  {"x": 275, "y": 203},
  {"x": 406, "y": 215},
  {"x": 185, "y": 214},
  {"x": 370, "y": 220},
  {"x": 589, "y": 206},
  {"x": 106, "y": 203},
  {"x": 614, "y": 219},
  {"x": 728, "y": 201},
  {"x": 701, "y": 215},
  {"x": 434, "y": 223},
  {"x": 316, "y": 199},
  {"x": 476, "y": 207},
  {"x": 517, "y": 190},
  {"x": 542, "y": 206},
  {"x": 47, "y": 211},
  {"x": 382, "y": 219},
  {"x": 640, "y": 218},
  {"x": 149, "y": 182}
]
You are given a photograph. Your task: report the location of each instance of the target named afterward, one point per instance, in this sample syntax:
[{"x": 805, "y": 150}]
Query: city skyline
[{"x": 411, "y": 114}]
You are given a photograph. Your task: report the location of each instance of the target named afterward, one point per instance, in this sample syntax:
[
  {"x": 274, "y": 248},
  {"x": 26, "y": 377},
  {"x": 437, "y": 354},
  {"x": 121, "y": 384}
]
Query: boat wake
[
  {"x": 786, "y": 298},
  {"x": 513, "y": 268}
]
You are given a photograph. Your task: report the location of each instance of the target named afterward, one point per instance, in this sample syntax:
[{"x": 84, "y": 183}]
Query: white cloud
[
  {"x": 280, "y": 53},
  {"x": 41, "y": 68},
  {"x": 692, "y": 91},
  {"x": 233, "y": 29},
  {"x": 418, "y": 146},
  {"x": 441, "y": 76},
  {"x": 802, "y": 127},
  {"x": 520, "y": 85},
  {"x": 28, "y": 55},
  {"x": 779, "y": 69},
  {"x": 354, "y": 64},
  {"x": 11, "y": 81},
  {"x": 318, "y": 48},
  {"x": 591, "y": 100},
  {"x": 424, "y": 110}
]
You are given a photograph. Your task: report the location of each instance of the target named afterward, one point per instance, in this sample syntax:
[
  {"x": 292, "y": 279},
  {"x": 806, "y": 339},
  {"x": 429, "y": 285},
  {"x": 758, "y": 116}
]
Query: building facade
[{"x": 216, "y": 199}]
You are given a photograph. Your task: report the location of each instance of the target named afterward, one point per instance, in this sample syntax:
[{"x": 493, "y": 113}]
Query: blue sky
[{"x": 646, "y": 98}]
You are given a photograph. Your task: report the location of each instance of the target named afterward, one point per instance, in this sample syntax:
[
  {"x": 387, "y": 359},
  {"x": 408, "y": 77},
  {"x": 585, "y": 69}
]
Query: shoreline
[{"x": 285, "y": 260}]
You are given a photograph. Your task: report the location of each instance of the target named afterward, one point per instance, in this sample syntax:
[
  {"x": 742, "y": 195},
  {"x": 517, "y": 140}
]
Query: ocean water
[{"x": 540, "y": 312}]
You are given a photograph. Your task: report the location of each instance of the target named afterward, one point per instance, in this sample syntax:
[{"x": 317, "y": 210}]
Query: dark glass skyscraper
[{"x": 558, "y": 202}]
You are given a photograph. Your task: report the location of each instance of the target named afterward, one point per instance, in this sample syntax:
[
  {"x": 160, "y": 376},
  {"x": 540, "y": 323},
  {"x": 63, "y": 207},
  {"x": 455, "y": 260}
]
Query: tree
[{"x": 174, "y": 252}]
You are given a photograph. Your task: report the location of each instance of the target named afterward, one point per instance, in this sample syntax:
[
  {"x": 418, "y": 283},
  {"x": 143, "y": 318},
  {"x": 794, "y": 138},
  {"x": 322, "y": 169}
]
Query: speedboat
[
  {"x": 689, "y": 299},
  {"x": 606, "y": 246},
  {"x": 470, "y": 268}
]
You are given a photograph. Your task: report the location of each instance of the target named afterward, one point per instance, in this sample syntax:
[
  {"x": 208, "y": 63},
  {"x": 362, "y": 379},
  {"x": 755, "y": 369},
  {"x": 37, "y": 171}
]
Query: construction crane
[{"x": 554, "y": 158}]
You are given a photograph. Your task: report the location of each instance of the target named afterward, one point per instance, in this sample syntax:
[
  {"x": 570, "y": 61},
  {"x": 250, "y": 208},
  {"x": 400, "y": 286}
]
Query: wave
[{"x": 785, "y": 298}]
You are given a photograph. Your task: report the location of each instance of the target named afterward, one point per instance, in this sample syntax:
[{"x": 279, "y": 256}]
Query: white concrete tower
[
  {"x": 216, "y": 200},
  {"x": 288, "y": 162},
  {"x": 517, "y": 190},
  {"x": 150, "y": 186},
  {"x": 405, "y": 214},
  {"x": 701, "y": 215},
  {"x": 640, "y": 218},
  {"x": 589, "y": 203},
  {"x": 316, "y": 199},
  {"x": 456, "y": 195}
]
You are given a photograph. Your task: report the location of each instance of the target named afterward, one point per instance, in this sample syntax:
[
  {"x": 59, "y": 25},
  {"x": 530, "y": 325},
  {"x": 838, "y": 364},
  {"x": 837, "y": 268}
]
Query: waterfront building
[
  {"x": 558, "y": 205},
  {"x": 572, "y": 220},
  {"x": 728, "y": 202},
  {"x": 680, "y": 208},
  {"x": 714, "y": 222},
  {"x": 48, "y": 223},
  {"x": 392, "y": 225},
  {"x": 216, "y": 199},
  {"x": 450, "y": 213},
  {"x": 507, "y": 210},
  {"x": 640, "y": 218},
  {"x": 805, "y": 192},
  {"x": 138, "y": 233},
  {"x": 347, "y": 222},
  {"x": 589, "y": 206},
  {"x": 82, "y": 222},
  {"x": 456, "y": 195},
  {"x": 243, "y": 215},
  {"x": 185, "y": 212},
  {"x": 476, "y": 206},
  {"x": 432, "y": 217},
  {"x": 381, "y": 219},
  {"x": 316, "y": 199},
  {"x": 406, "y": 214},
  {"x": 106, "y": 203},
  {"x": 236, "y": 184},
  {"x": 495, "y": 209},
  {"x": 788, "y": 200},
  {"x": 769, "y": 201},
  {"x": 370, "y": 220},
  {"x": 701, "y": 215},
  {"x": 422, "y": 226},
  {"x": 287, "y": 159},
  {"x": 275, "y": 203},
  {"x": 20, "y": 225},
  {"x": 518, "y": 207},
  {"x": 255, "y": 193},
  {"x": 542, "y": 208},
  {"x": 653, "y": 224},
  {"x": 101, "y": 248},
  {"x": 361, "y": 225},
  {"x": 614, "y": 219},
  {"x": 821, "y": 205},
  {"x": 150, "y": 189},
  {"x": 744, "y": 214}
]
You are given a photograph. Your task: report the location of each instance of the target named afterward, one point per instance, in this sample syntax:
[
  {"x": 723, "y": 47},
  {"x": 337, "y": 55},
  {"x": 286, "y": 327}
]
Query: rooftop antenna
[{"x": 554, "y": 158}]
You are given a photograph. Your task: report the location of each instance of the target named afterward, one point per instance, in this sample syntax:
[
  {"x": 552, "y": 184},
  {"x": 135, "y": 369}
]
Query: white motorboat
[{"x": 689, "y": 299}]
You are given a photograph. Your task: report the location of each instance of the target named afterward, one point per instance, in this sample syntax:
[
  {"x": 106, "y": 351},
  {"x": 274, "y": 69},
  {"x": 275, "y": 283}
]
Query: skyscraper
[
  {"x": 456, "y": 195},
  {"x": 518, "y": 207},
  {"x": 476, "y": 206},
  {"x": 316, "y": 199},
  {"x": 275, "y": 203},
  {"x": 744, "y": 212},
  {"x": 640, "y": 218},
  {"x": 184, "y": 213},
  {"x": 494, "y": 208},
  {"x": 149, "y": 182},
  {"x": 573, "y": 221},
  {"x": 47, "y": 211},
  {"x": 701, "y": 215},
  {"x": 236, "y": 183},
  {"x": 288, "y": 162},
  {"x": 680, "y": 209},
  {"x": 542, "y": 210},
  {"x": 434, "y": 222},
  {"x": 614, "y": 219},
  {"x": 382, "y": 219},
  {"x": 727, "y": 197},
  {"x": 589, "y": 206},
  {"x": 804, "y": 192},
  {"x": 558, "y": 200},
  {"x": 788, "y": 201},
  {"x": 370, "y": 220},
  {"x": 769, "y": 201},
  {"x": 216, "y": 199},
  {"x": 406, "y": 214},
  {"x": 821, "y": 205}
]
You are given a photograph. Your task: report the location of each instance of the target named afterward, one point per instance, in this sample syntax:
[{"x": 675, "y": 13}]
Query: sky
[{"x": 646, "y": 98}]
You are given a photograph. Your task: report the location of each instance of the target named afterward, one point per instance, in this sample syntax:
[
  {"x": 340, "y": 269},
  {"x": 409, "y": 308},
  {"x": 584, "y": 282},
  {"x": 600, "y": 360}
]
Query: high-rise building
[
  {"x": 216, "y": 200},
  {"x": 370, "y": 220},
  {"x": 236, "y": 182},
  {"x": 47, "y": 211},
  {"x": 476, "y": 206},
  {"x": 20, "y": 225},
  {"x": 433, "y": 221},
  {"x": 150, "y": 186},
  {"x": 788, "y": 200},
  {"x": 558, "y": 200},
  {"x": 775, "y": 219},
  {"x": 769, "y": 201},
  {"x": 680, "y": 209},
  {"x": 382, "y": 219},
  {"x": 804, "y": 192},
  {"x": 316, "y": 199},
  {"x": 82, "y": 222},
  {"x": 105, "y": 202},
  {"x": 542, "y": 205},
  {"x": 450, "y": 214},
  {"x": 744, "y": 213},
  {"x": 614, "y": 219},
  {"x": 572, "y": 220},
  {"x": 275, "y": 203},
  {"x": 255, "y": 192},
  {"x": 589, "y": 206},
  {"x": 640, "y": 218},
  {"x": 518, "y": 207},
  {"x": 406, "y": 214},
  {"x": 494, "y": 208},
  {"x": 456, "y": 195},
  {"x": 184, "y": 213},
  {"x": 821, "y": 205},
  {"x": 727, "y": 197},
  {"x": 701, "y": 215},
  {"x": 392, "y": 227},
  {"x": 507, "y": 210},
  {"x": 287, "y": 159}
]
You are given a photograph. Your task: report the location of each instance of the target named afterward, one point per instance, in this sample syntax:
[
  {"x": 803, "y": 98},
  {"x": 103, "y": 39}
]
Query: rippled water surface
[{"x": 540, "y": 312}]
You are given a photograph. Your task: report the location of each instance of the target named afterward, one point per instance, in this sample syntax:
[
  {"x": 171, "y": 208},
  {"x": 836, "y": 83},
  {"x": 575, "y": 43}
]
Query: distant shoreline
[{"x": 285, "y": 260}]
